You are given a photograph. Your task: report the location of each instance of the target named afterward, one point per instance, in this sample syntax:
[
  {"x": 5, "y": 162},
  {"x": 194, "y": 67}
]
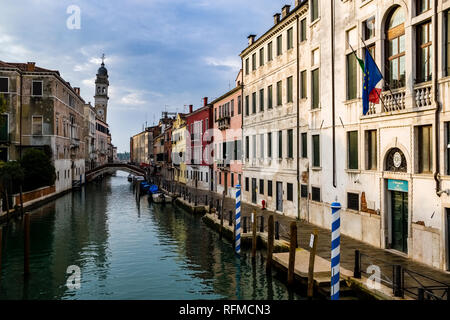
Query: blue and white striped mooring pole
[
  {"x": 238, "y": 219},
  {"x": 335, "y": 249}
]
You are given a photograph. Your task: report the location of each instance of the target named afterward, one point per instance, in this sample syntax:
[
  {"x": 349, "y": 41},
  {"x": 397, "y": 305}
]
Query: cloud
[
  {"x": 228, "y": 62},
  {"x": 133, "y": 98}
]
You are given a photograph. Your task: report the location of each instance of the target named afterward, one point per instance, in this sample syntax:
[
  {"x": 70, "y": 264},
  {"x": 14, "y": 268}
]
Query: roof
[
  {"x": 23, "y": 67},
  {"x": 294, "y": 10},
  {"x": 227, "y": 94}
]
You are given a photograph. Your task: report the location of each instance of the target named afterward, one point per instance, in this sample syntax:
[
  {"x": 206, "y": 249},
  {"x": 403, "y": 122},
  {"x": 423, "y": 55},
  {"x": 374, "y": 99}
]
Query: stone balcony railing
[
  {"x": 423, "y": 95},
  {"x": 396, "y": 100},
  {"x": 393, "y": 100}
]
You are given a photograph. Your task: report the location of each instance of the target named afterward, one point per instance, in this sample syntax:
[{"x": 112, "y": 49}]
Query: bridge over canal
[{"x": 113, "y": 167}]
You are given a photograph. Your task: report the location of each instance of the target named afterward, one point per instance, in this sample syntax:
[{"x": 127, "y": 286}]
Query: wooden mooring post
[
  {"x": 270, "y": 240},
  {"x": 292, "y": 251},
  {"x": 312, "y": 256},
  {"x": 26, "y": 247}
]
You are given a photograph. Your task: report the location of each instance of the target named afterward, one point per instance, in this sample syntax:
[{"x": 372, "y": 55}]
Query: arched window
[
  {"x": 395, "y": 49},
  {"x": 396, "y": 161}
]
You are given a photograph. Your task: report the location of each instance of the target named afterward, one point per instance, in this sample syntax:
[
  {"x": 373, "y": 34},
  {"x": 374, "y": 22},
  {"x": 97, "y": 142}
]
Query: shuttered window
[
  {"x": 425, "y": 149},
  {"x": 352, "y": 142},
  {"x": 37, "y": 125},
  {"x": 269, "y": 188},
  {"x": 290, "y": 192}
]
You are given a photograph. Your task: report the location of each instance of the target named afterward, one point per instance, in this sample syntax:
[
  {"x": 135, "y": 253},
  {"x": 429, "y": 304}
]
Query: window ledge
[
  {"x": 351, "y": 101},
  {"x": 313, "y": 23},
  {"x": 315, "y": 109},
  {"x": 357, "y": 171},
  {"x": 316, "y": 168}
]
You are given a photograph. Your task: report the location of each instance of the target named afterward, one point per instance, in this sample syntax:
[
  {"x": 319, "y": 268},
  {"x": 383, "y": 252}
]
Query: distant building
[
  {"x": 102, "y": 142},
  {"x": 141, "y": 146},
  {"x": 227, "y": 118},
  {"x": 199, "y": 147},
  {"x": 43, "y": 111},
  {"x": 179, "y": 135},
  {"x": 89, "y": 136}
]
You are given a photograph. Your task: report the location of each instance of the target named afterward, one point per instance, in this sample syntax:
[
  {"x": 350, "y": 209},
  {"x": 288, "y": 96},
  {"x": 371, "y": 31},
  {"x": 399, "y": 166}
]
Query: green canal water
[{"x": 127, "y": 251}]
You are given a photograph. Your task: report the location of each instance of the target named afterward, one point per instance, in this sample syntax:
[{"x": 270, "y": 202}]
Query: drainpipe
[
  {"x": 298, "y": 122},
  {"x": 20, "y": 114},
  {"x": 332, "y": 95},
  {"x": 437, "y": 177}
]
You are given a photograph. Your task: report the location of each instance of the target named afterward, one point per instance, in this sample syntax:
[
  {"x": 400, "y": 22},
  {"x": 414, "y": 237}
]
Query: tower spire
[{"x": 103, "y": 59}]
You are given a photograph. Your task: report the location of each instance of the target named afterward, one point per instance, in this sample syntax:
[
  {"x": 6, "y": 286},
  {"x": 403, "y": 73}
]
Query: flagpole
[
  {"x": 354, "y": 52},
  {"x": 389, "y": 87}
]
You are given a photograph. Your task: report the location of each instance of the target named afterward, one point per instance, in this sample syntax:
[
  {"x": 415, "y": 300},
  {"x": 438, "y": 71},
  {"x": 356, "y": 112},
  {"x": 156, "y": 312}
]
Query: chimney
[
  {"x": 285, "y": 11},
  {"x": 77, "y": 90},
  {"x": 30, "y": 66},
  {"x": 251, "y": 39},
  {"x": 191, "y": 107},
  {"x": 205, "y": 101},
  {"x": 276, "y": 18}
]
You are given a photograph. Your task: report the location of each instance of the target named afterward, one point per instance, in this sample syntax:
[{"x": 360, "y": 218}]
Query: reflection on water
[{"x": 126, "y": 251}]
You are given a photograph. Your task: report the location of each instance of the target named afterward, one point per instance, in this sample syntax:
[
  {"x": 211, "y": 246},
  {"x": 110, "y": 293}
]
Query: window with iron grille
[
  {"x": 304, "y": 191},
  {"x": 315, "y": 194},
  {"x": 353, "y": 201}
]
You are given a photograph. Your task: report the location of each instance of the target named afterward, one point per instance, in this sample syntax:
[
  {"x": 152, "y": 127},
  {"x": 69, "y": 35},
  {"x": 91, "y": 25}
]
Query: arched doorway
[
  {"x": 395, "y": 48},
  {"x": 397, "y": 200}
]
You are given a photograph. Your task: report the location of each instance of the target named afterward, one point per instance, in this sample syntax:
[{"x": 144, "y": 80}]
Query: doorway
[
  {"x": 280, "y": 196},
  {"x": 399, "y": 220},
  {"x": 447, "y": 211}
]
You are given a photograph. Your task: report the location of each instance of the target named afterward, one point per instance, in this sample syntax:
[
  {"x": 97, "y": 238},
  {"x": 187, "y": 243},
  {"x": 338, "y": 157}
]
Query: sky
[{"x": 161, "y": 55}]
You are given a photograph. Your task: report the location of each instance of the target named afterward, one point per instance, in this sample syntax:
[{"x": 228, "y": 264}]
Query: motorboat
[{"x": 161, "y": 198}]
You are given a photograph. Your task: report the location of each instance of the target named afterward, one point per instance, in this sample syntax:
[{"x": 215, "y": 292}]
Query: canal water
[{"x": 127, "y": 251}]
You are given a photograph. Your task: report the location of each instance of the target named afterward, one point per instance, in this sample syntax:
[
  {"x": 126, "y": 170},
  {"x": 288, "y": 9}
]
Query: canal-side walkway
[{"x": 415, "y": 276}]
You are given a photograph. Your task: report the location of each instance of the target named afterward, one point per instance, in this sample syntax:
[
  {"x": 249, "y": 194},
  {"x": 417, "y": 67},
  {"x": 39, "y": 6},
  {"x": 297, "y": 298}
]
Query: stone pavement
[{"x": 385, "y": 259}]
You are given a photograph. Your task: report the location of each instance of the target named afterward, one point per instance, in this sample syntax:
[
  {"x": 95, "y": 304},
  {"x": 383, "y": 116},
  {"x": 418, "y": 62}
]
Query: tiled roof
[{"x": 24, "y": 67}]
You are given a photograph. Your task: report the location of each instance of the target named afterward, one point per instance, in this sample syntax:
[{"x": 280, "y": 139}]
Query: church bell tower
[{"x": 101, "y": 91}]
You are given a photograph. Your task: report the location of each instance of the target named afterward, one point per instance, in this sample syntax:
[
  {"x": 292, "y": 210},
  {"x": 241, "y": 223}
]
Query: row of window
[
  {"x": 263, "y": 95},
  {"x": 227, "y": 109},
  {"x": 279, "y": 43},
  {"x": 193, "y": 175},
  {"x": 352, "y": 198},
  {"x": 424, "y": 149},
  {"x": 267, "y": 140},
  {"x": 270, "y": 188},
  {"x": 229, "y": 150},
  {"x": 223, "y": 176},
  {"x": 36, "y": 89}
]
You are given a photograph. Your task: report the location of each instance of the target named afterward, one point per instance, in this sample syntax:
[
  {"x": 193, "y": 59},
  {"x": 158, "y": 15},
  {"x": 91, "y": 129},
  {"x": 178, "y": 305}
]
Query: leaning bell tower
[{"x": 101, "y": 91}]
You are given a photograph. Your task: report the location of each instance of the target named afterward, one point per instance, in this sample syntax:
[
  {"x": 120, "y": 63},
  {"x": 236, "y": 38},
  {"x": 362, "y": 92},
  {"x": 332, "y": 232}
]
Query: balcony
[
  {"x": 393, "y": 100},
  {"x": 223, "y": 165},
  {"x": 397, "y": 100},
  {"x": 74, "y": 143},
  {"x": 224, "y": 123},
  {"x": 423, "y": 95}
]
